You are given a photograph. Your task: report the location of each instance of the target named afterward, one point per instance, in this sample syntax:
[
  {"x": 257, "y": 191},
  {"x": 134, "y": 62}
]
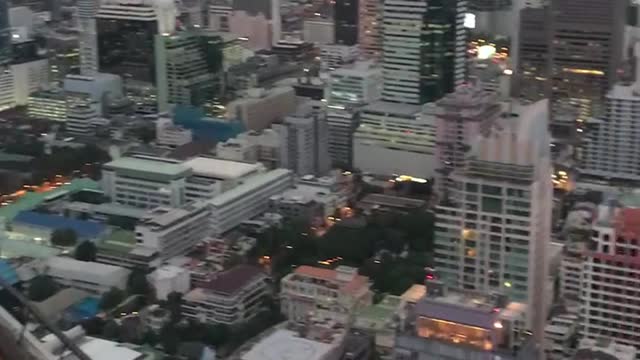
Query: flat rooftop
[
  {"x": 393, "y": 108},
  {"x": 84, "y": 267},
  {"x": 393, "y": 201},
  {"x": 288, "y": 345},
  {"x": 221, "y": 169},
  {"x": 119, "y": 241},
  {"x": 139, "y": 167},
  {"x": 251, "y": 184}
]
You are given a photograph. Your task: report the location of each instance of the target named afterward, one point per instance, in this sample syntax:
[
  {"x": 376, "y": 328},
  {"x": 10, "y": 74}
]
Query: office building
[
  {"x": 261, "y": 107},
  {"x": 605, "y": 348},
  {"x": 233, "y": 297},
  {"x": 7, "y": 96},
  {"x": 318, "y": 31},
  {"x": 461, "y": 117},
  {"x": 173, "y": 231},
  {"x": 91, "y": 277},
  {"x": 370, "y": 28},
  {"x": 346, "y": 22},
  {"x": 354, "y": 85},
  {"x": 219, "y": 13},
  {"x": 80, "y": 118},
  {"x": 493, "y": 225},
  {"x": 27, "y": 73},
  {"x": 188, "y": 69},
  {"x": 88, "y": 37},
  {"x": 448, "y": 324},
  {"x": 532, "y": 54},
  {"x": 48, "y": 104},
  {"x": 610, "y": 151},
  {"x": 583, "y": 71},
  {"x": 247, "y": 200},
  {"x": 334, "y": 56},
  {"x": 304, "y": 142},
  {"x": 258, "y": 23},
  {"x": 5, "y": 34},
  {"x": 105, "y": 89},
  {"x": 327, "y": 294},
  {"x": 252, "y": 146},
  {"x": 395, "y": 139},
  {"x": 144, "y": 182},
  {"x": 126, "y": 32},
  {"x": 341, "y": 125},
  {"x": 211, "y": 176},
  {"x": 424, "y": 47},
  {"x": 609, "y": 296},
  {"x": 170, "y": 135}
]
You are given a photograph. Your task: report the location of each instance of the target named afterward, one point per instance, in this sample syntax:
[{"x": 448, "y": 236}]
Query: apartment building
[
  {"x": 559, "y": 334},
  {"x": 312, "y": 292},
  {"x": 145, "y": 182},
  {"x": 493, "y": 226},
  {"x": 173, "y": 231},
  {"x": 91, "y": 277},
  {"x": 231, "y": 298},
  {"x": 247, "y": 200}
]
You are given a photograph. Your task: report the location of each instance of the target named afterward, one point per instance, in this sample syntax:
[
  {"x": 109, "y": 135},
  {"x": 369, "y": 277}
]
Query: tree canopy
[
  {"x": 86, "y": 251},
  {"x": 42, "y": 287},
  {"x": 137, "y": 283},
  {"x": 64, "y": 237},
  {"x": 111, "y": 298}
]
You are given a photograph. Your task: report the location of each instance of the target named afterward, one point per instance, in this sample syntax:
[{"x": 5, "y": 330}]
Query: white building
[
  {"x": 232, "y": 297},
  {"x": 318, "y": 344},
  {"x": 145, "y": 182},
  {"x": 357, "y": 84},
  {"x": 395, "y": 139},
  {"x": 252, "y": 146},
  {"x": 342, "y": 124},
  {"x": 29, "y": 77},
  {"x": 105, "y": 89},
  {"x": 260, "y": 108},
  {"x": 304, "y": 142},
  {"x": 493, "y": 226},
  {"x": 168, "y": 278},
  {"x": 91, "y": 277},
  {"x": 88, "y": 38},
  {"x": 211, "y": 177},
  {"x": 80, "y": 118},
  {"x": 324, "y": 294},
  {"x": 334, "y": 56},
  {"x": 600, "y": 349},
  {"x": 611, "y": 151},
  {"x": 170, "y": 135},
  {"x": 247, "y": 200},
  {"x": 318, "y": 31},
  {"x": 173, "y": 231}
]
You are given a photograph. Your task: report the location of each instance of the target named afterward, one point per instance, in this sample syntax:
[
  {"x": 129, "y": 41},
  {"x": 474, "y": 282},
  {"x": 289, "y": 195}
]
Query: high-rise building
[
  {"x": 304, "y": 142},
  {"x": 126, "y": 32},
  {"x": 585, "y": 53},
  {"x": 493, "y": 225},
  {"x": 424, "y": 52},
  {"x": 611, "y": 276},
  {"x": 532, "y": 69},
  {"x": 88, "y": 39},
  {"x": 346, "y": 22},
  {"x": 358, "y": 84},
  {"x": 370, "y": 28},
  {"x": 5, "y": 34},
  {"x": 342, "y": 124},
  {"x": 612, "y": 150},
  {"x": 80, "y": 117},
  {"x": 461, "y": 117},
  {"x": 188, "y": 69}
]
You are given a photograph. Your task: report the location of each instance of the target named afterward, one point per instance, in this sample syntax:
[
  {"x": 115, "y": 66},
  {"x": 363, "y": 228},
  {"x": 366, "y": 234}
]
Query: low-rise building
[
  {"x": 48, "y": 104},
  {"x": 40, "y": 226},
  {"x": 173, "y": 231},
  {"x": 312, "y": 292},
  {"x": 604, "y": 349},
  {"x": 170, "y": 135},
  {"x": 167, "y": 279},
  {"x": 260, "y": 108},
  {"x": 559, "y": 335},
  {"x": 305, "y": 202},
  {"x": 252, "y": 146},
  {"x": 308, "y": 343},
  {"x": 211, "y": 177},
  {"x": 232, "y": 297},
  {"x": 94, "y": 278},
  {"x": 381, "y": 321}
]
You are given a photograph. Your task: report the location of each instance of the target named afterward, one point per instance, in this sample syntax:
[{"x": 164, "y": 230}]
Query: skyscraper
[
  {"x": 88, "y": 39},
  {"x": 5, "y": 34},
  {"x": 188, "y": 68},
  {"x": 370, "y": 28},
  {"x": 494, "y": 223},
  {"x": 423, "y": 49},
  {"x": 126, "y": 33},
  {"x": 585, "y": 52},
  {"x": 346, "y": 22},
  {"x": 532, "y": 54}
]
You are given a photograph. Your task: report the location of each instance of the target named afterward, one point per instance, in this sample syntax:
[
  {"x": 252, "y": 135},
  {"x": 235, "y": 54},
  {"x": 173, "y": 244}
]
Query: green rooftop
[
  {"x": 119, "y": 241},
  {"x": 147, "y": 169},
  {"x": 31, "y": 200},
  {"x": 375, "y": 316}
]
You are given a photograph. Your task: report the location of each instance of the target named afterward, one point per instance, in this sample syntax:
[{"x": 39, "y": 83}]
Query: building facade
[
  {"x": 88, "y": 37},
  {"x": 91, "y": 277},
  {"x": 5, "y": 34},
  {"x": 370, "y": 28},
  {"x": 346, "y": 22},
  {"x": 493, "y": 224}
]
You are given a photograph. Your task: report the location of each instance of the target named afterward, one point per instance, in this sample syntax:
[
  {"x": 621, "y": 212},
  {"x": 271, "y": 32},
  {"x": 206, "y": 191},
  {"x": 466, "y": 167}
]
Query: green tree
[
  {"x": 64, "y": 237},
  {"x": 86, "y": 251},
  {"x": 111, "y": 330},
  {"x": 137, "y": 283},
  {"x": 41, "y": 288},
  {"x": 174, "y": 305},
  {"x": 169, "y": 338},
  {"x": 216, "y": 335},
  {"x": 111, "y": 298}
]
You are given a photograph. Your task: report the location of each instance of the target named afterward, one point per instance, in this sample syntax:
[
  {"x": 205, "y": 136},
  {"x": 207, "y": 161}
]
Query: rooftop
[
  {"x": 393, "y": 201},
  {"x": 119, "y": 241},
  {"x": 249, "y": 185},
  {"x": 138, "y": 165},
  {"x": 83, "y": 228},
  {"x": 349, "y": 279},
  {"x": 165, "y": 216},
  {"x": 377, "y": 315},
  {"x": 393, "y": 108},
  {"x": 235, "y": 279},
  {"x": 414, "y": 293},
  {"x": 221, "y": 169},
  {"x": 83, "y": 267},
  {"x": 288, "y": 345}
]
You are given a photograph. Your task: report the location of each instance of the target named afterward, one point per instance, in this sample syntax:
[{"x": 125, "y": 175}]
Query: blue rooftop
[
  {"x": 8, "y": 273},
  {"x": 84, "y": 229}
]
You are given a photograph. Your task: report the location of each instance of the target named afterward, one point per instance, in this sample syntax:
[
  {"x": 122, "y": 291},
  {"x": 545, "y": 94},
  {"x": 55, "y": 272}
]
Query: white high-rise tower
[{"x": 88, "y": 36}]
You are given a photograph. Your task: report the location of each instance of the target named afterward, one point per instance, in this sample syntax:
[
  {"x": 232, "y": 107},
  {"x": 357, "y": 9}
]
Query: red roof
[{"x": 235, "y": 279}]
